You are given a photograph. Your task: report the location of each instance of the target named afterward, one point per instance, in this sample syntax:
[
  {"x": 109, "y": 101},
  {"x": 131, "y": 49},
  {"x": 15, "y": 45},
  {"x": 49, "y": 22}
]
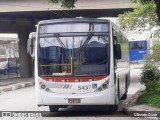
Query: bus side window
[
  {"x": 132, "y": 46},
  {"x": 141, "y": 45}
]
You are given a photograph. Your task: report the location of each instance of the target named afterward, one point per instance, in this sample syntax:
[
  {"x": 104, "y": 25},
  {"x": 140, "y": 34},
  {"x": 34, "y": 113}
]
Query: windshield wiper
[
  {"x": 60, "y": 42},
  {"x": 86, "y": 41}
]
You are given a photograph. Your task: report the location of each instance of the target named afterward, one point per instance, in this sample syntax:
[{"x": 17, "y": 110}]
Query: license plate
[{"x": 74, "y": 100}]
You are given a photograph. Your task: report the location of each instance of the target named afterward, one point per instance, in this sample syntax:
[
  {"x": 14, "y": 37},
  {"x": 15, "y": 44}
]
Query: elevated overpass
[{"x": 21, "y": 16}]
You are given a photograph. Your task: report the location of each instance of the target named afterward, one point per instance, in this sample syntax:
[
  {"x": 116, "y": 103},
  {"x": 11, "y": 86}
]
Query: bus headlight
[
  {"x": 47, "y": 89},
  {"x": 100, "y": 89},
  {"x": 103, "y": 86},
  {"x": 43, "y": 86}
]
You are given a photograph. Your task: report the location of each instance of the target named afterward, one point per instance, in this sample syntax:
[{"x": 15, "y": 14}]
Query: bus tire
[
  {"x": 53, "y": 108},
  {"x": 113, "y": 108},
  {"x": 125, "y": 94},
  {"x": 118, "y": 91}
]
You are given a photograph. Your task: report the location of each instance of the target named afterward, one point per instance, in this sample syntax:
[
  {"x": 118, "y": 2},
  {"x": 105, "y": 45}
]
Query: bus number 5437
[{"x": 84, "y": 87}]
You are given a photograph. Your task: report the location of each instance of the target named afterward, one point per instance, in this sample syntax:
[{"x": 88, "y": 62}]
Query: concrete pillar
[{"x": 24, "y": 59}]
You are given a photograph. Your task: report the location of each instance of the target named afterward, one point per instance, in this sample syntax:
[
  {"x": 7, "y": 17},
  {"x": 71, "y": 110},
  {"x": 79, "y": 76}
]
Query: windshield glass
[{"x": 74, "y": 53}]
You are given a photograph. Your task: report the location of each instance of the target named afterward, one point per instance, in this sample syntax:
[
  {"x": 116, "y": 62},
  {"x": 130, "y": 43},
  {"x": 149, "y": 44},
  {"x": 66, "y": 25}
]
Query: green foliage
[
  {"x": 142, "y": 15},
  {"x": 150, "y": 85},
  {"x": 157, "y": 3},
  {"x": 150, "y": 76},
  {"x": 150, "y": 72},
  {"x": 150, "y": 97},
  {"x": 155, "y": 55},
  {"x": 70, "y": 4},
  {"x": 142, "y": 1},
  {"x": 65, "y": 3},
  {"x": 124, "y": 47}
]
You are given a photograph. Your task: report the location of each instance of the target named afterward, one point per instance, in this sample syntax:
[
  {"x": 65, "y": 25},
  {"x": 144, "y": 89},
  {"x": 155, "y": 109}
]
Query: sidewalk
[
  {"x": 15, "y": 83},
  {"x": 143, "y": 111},
  {"x": 136, "y": 66}
]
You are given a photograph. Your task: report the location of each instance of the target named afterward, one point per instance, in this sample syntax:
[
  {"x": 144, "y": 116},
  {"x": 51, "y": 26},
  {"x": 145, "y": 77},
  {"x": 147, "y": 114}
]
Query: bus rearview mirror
[
  {"x": 117, "y": 51},
  {"x": 30, "y": 47},
  {"x": 31, "y": 44}
]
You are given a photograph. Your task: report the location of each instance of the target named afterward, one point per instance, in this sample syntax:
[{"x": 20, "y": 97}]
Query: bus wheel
[
  {"x": 53, "y": 108},
  {"x": 118, "y": 91},
  {"x": 113, "y": 108},
  {"x": 125, "y": 94}
]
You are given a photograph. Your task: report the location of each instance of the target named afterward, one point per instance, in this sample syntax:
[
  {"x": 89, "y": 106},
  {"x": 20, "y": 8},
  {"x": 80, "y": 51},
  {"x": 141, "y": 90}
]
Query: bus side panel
[
  {"x": 111, "y": 98},
  {"x": 121, "y": 65},
  {"x": 39, "y": 100},
  {"x": 37, "y": 90},
  {"x": 113, "y": 92}
]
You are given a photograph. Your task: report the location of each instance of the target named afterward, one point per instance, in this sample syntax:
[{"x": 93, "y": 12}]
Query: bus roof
[
  {"x": 132, "y": 40},
  {"x": 74, "y": 20}
]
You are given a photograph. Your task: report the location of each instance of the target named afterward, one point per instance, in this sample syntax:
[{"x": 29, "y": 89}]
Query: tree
[
  {"x": 154, "y": 57},
  {"x": 70, "y": 4},
  {"x": 142, "y": 15},
  {"x": 65, "y": 3},
  {"x": 157, "y": 3}
]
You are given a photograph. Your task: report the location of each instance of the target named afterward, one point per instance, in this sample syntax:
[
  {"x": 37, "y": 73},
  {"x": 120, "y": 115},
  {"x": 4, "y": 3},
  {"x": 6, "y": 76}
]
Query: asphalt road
[{"x": 24, "y": 100}]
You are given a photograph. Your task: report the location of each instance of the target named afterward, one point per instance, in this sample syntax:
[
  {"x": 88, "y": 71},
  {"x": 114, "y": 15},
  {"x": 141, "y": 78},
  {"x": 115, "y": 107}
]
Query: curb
[
  {"x": 130, "y": 108},
  {"x": 133, "y": 111},
  {"x": 132, "y": 68},
  {"x": 131, "y": 101},
  {"x": 16, "y": 86},
  {"x": 138, "y": 68}
]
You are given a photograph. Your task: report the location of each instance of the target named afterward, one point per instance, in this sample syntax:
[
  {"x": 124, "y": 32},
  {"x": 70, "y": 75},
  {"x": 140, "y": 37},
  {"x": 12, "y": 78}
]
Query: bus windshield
[{"x": 77, "y": 50}]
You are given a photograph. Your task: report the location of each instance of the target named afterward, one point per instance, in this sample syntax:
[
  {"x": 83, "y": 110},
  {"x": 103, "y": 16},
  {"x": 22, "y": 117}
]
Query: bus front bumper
[{"x": 106, "y": 97}]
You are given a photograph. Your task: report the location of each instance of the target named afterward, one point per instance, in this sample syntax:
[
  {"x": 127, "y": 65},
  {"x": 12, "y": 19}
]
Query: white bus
[{"x": 80, "y": 61}]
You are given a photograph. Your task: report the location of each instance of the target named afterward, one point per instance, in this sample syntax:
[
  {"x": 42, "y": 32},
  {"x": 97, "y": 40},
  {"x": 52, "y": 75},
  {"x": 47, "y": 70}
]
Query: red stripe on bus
[{"x": 73, "y": 79}]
